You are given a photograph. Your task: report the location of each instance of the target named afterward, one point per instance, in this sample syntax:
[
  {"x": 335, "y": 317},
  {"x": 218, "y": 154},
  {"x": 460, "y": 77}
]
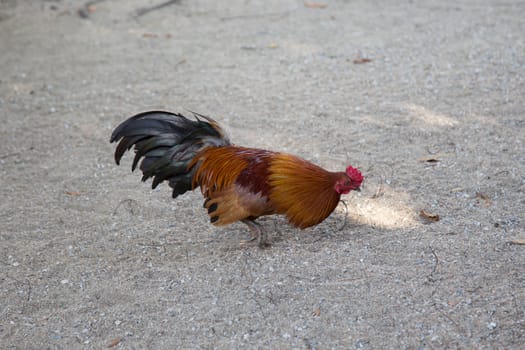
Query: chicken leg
[{"x": 256, "y": 232}]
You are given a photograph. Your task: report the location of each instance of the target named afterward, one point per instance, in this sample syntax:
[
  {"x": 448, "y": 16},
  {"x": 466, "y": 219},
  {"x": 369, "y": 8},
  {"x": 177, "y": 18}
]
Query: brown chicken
[{"x": 238, "y": 183}]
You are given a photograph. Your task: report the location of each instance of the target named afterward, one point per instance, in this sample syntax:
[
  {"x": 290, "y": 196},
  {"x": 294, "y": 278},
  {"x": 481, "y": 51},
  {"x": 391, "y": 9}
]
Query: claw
[
  {"x": 251, "y": 239},
  {"x": 262, "y": 242}
]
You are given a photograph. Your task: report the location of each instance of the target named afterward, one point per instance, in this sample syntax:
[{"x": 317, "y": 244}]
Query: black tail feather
[
  {"x": 153, "y": 147},
  {"x": 180, "y": 184},
  {"x": 166, "y": 143},
  {"x": 125, "y": 145}
]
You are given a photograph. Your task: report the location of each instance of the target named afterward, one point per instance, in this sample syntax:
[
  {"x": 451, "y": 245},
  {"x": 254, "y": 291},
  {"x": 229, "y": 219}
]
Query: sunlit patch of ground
[
  {"x": 430, "y": 117},
  {"x": 389, "y": 210}
]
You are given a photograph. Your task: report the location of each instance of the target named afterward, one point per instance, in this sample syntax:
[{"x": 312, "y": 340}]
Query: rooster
[{"x": 238, "y": 183}]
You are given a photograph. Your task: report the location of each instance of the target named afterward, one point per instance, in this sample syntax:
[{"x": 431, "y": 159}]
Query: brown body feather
[{"x": 240, "y": 183}]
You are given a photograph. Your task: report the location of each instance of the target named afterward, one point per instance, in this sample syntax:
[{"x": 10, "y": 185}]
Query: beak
[{"x": 358, "y": 189}]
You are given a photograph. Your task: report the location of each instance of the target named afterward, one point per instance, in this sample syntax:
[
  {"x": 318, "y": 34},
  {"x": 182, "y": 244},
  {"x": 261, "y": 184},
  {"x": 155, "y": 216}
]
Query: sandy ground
[{"x": 92, "y": 258}]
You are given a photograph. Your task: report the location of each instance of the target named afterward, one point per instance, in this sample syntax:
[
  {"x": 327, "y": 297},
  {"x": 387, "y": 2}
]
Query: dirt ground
[{"x": 425, "y": 97}]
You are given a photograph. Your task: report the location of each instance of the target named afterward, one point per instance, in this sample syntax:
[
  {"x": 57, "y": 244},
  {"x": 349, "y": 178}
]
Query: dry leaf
[
  {"x": 518, "y": 241},
  {"x": 272, "y": 46},
  {"x": 317, "y": 312},
  {"x": 484, "y": 198},
  {"x": 435, "y": 157},
  {"x": 114, "y": 342},
  {"x": 149, "y": 35},
  {"x": 431, "y": 159},
  {"x": 361, "y": 60},
  {"x": 314, "y": 5},
  {"x": 180, "y": 62},
  {"x": 73, "y": 193},
  {"x": 428, "y": 216}
]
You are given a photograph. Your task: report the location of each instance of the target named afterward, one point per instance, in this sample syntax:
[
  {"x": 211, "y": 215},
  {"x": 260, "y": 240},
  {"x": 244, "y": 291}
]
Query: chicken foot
[{"x": 256, "y": 232}]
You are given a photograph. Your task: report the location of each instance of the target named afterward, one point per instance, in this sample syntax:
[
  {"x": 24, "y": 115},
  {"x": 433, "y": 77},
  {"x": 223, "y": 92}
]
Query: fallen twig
[
  {"x": 517, "y": 241},
  {"x": 29, "y": 289},
  {"x": 144, "y": 10},
  {"x": 434, "y": 268},
  {"x": 9, "y": 155},
  {"x": 260, "y": 15}
]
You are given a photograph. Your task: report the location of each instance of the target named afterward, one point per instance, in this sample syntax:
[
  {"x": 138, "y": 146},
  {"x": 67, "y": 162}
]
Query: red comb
[{"x": 354, "y": 174}]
